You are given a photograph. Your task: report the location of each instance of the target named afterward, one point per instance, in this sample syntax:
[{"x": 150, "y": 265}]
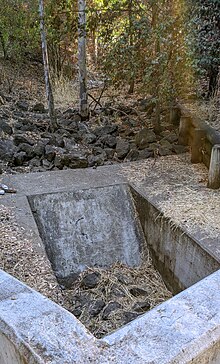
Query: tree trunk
[
  {"x": 156, "y": 73},
  {"x": 131, "y": 44},
  {"x": 3, "y": 45},
  {"x": 49, "y": 92},
  {"x": 83, "y": 94}
]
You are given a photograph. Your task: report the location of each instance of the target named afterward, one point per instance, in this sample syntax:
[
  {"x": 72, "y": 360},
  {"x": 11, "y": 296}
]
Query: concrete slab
[{"x": 87, "y": 228}]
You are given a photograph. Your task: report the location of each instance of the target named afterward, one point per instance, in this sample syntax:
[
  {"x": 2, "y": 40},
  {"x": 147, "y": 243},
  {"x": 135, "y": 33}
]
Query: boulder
[
  {"x": 38, "y": 107},
  {"x": 20, "y": 158},
  {"x": 22, "y": 105},
  {"x": 20, "y": 138},
  {"x": 7, "y": 150},
  {"x": 24, "y": 147},
  {"x": 5, "y": 127},
  {"x": 122, "y": 148},
  {"x": 144, "y": 137}
]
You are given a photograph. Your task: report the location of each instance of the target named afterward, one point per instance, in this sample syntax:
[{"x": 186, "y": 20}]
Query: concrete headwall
[{"x": 90, "y": 227}]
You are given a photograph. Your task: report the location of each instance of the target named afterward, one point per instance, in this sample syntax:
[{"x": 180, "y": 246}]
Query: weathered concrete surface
[
  {"x": 185, "y": 329},
  {"x": 40, "y": 330},
  {"x": 179, "y": 258},
  {"x": 86, "y": 228}
]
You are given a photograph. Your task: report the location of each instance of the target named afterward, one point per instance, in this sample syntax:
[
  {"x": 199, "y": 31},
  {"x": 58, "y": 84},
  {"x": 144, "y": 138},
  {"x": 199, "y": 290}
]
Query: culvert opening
[{"x": 97, "y": 249}]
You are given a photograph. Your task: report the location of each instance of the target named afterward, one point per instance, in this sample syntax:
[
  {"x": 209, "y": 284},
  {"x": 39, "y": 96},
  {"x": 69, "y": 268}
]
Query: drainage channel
[
  {"x": 97, "y": 249},
  {"x": 113, "y": 257}
]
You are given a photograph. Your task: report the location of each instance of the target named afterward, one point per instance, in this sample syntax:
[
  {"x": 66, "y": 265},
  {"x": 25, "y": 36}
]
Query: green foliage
[{"x": 18, "y": 28}]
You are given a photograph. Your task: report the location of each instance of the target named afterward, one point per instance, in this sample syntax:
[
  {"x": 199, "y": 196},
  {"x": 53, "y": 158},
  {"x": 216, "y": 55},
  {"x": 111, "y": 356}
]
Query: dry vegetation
[
  {"x": 19, "y": 257},
  {"x": 181, "y": 192}
]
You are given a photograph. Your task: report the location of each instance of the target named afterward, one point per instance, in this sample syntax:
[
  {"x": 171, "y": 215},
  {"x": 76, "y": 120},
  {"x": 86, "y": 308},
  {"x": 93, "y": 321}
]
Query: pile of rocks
[
  {"x": 108, "y": 299},
  {"x": 105, "y": 139}
]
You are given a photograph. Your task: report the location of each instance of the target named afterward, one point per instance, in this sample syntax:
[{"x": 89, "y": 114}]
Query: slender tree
[
  {"x": 83, "y": 95},
  {"x": 49, "y": 92}
]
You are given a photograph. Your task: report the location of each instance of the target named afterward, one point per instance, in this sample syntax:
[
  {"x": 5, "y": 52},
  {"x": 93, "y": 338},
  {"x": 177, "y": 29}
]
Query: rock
[
  {"x": 28, "y": 127},
  {"x": 144, "y": 137},
  {"x": 137, "y": 291},
  {"x": 91, "y": 280},
  {"x": 145, "y": 153},
  {"x": 81, "y": 300},
  {"x": 5, "y": 127},
  {"x": 24, "y": 147},
  {"x": 50, "y": 152},
  {"x": 133, "y": 155},
  {"x": 96, "y": 307},
  {"x": 97, "y": 160},
  {"x": 179, "y": 149},
  {"x": 107, "y": 129},
  {"x": 20, "y": 138},
  {"x": 89, "y": 138},
  {"x": 68, "y": 281},
  {"x": 141, "y": 306},
  {"x": 129, "y": 316},
  {"x": 70, "y": 111},
  {"x": 109, "y": 153},
  {"x": 117, "y": 291},
  {"x": 170, "y": 136},
  {"x": 75, "y": 159},
  {"x": 73, "y": 126},
  {"x": 20, "y": 158},
  {"x": 2, "y": 192},
  {"x": 124, "y": 279},
  {"x": 147, "y": 105},
  {"x": 164, "y": 143},
  {"x": 22, "y": 105},
  {"x": 39, "y": 107},
  {"x": 7, "y": 150},
  {"x": 77, "y": 312},
  {"x": 97, "y": 150},
  {"x": 122, "y": 148},
  {"x": 39, "y": 149},
  {"x": 163, "y": 151},
  {"x": 108, "y": 140},
  {"x": 47, "y": 164},
  {"x": 35, "y": 162},
  {"x": 64, "y": 122},
  {"x": 111, "y": 306}
]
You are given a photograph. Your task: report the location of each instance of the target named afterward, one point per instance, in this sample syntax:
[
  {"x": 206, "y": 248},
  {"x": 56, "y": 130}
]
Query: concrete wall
[
  {"x": 91, "y": 227},
  {"x": 185, "y": 329},
  {"x": 180, "y": 259},
  {"x": 9, "y": 354},
  {"x": 211, "y": 136}
]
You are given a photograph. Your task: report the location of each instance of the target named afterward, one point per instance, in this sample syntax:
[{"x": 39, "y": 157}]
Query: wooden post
[
  {"x": 184, "y": 130},
  {"x": 197, "y": 145},
  {"x": 214, "y": 168}
]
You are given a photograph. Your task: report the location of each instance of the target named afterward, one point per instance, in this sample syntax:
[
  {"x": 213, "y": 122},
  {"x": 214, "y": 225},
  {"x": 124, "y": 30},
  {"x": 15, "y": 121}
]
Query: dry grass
[
  {"x": 65, "y": 93},
  {"x": 179, "y": 188},
  {"x": 20, "y": 258},
  {"x": 114, "y": 286}
]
